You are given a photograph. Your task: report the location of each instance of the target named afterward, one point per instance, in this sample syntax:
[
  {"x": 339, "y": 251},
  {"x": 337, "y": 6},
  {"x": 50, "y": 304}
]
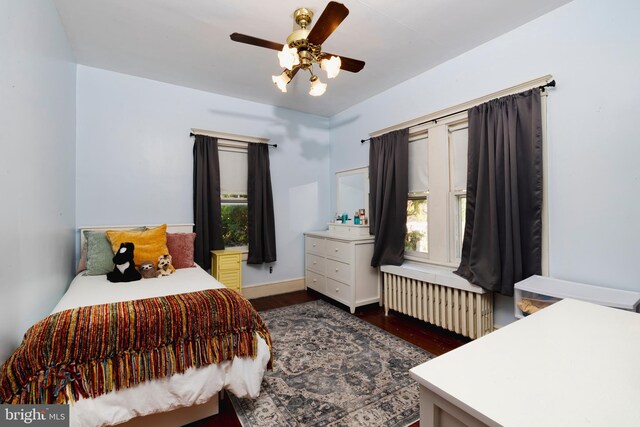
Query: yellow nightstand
[{"x": 226, "y": 266}]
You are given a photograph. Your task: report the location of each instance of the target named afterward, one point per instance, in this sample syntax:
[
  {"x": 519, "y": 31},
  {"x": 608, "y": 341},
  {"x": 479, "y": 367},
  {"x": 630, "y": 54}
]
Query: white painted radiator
[{"x": 464, "y": 312}]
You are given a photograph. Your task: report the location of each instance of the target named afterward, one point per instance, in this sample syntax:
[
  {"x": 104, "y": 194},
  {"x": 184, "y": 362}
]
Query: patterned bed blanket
[{"x": 90, "y": 351}]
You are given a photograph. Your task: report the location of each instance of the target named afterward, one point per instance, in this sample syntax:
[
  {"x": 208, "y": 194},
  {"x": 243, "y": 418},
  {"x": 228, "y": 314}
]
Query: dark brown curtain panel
[
  {"x": 503, "y": 230},
  {"x": 388, "y": 188},
  {"x": 207, "y": 212},
  {"x": 262, "y": 230}
]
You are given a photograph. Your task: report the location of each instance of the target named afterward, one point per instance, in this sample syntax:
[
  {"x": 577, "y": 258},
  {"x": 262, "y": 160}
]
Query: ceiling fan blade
[
  {"x": 242, "y": 38},
  {"x": 347, "y": 64},
  {"x": 331, "y": 17}
]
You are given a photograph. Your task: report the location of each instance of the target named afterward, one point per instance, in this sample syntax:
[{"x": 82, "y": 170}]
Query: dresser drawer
[
  {"x": 339, "y": 250},
  {"x": 314, "y": 281},
  {"x": 314, "y": 262},
  {"x": 338, "y": 291},
  {"x": 230, "y": 279},
  {"x": 338, "y": 271},
  {"x": 314, "y": 245},
  {"x": 229, "y": 262}
]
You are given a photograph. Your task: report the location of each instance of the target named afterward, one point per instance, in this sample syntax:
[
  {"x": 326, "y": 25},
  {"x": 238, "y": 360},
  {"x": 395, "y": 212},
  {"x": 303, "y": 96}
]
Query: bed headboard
[{"x": 171, "y": 228}]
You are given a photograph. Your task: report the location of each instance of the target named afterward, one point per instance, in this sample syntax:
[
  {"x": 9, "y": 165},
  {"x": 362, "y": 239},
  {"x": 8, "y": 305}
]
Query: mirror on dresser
[{"x": 352, "y": 191}]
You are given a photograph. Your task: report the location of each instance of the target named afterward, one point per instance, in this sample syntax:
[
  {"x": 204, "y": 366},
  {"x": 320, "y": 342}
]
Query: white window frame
[
  {"x": 456, "y": 229},
  {"x": 456, "y": 233}
]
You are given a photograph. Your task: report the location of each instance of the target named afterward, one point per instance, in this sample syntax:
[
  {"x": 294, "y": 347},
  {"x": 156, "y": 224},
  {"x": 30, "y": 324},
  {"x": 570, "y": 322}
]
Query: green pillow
[{"x": 99, "y": 253}]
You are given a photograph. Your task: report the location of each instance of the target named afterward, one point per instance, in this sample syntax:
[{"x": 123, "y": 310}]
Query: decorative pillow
[
  {"x": 99, "y": 253},
  {"x": 148, "y": 244},
  {"x": 181, "y": 249},
  {"x": 82, "y": 263}
]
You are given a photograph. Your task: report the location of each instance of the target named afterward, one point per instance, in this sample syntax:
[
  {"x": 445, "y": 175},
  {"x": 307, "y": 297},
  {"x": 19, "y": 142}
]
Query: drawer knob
[
  {"x": 314, "y": 262},
  {"x": 336, "y": 249},
  {"x": 315, "y": 280},
  {"x": 336, "y": 270},
  {"x": 314, "y": 245},
  {"x": 337, "y": 290}
]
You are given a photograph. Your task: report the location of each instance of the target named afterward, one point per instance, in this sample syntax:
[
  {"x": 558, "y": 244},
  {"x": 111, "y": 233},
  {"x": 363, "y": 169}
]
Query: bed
[{"x": 173, "y": 400}]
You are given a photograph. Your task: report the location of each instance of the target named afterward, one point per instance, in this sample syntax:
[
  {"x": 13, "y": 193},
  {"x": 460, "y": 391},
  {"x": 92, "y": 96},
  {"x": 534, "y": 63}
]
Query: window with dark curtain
[
  {"x": 262, "y": 233},
  {"x": 389, "y": 187},
  {"x": 503, "y": 230},
  {"x": 206, "y": 199}
]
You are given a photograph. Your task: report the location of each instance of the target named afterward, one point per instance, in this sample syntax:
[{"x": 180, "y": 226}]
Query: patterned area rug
[{"x": 333, "y": 369}]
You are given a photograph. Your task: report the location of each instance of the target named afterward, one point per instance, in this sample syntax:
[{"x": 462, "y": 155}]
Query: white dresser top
[
  {"x": 340, "y": 236},
  {"x": 571, "y": 364}
]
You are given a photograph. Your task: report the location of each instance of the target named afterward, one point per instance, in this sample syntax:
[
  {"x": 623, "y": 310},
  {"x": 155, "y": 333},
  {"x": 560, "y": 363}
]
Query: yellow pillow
[{"x": 148, "y": 244}]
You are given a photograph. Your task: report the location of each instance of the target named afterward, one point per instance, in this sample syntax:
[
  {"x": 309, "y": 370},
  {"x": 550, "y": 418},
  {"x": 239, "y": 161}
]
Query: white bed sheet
[{"x": 242, "y": 376}]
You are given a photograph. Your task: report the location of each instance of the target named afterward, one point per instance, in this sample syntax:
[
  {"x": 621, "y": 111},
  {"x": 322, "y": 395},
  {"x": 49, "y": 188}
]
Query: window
[
  {"x": 233, "y": 189},
  {"x": 458, "y": 141},
  {"x": 441, "y": 166},
  {"x": 417, "y": 238},
  {"x": 436, "y": 208},
  {"x": 234, "y": 220}
]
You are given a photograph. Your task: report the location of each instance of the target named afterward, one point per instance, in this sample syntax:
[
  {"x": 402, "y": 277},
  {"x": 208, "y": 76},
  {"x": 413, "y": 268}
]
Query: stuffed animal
[
  {"x": 125, "y": 269},
  {"x": 148, "y": 270},
  {"x": 164, "y": 265}
]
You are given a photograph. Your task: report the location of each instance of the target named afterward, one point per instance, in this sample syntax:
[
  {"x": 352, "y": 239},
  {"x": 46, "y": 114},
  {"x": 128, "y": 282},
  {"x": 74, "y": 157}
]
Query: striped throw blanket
[{"x": 90, "y": 351}]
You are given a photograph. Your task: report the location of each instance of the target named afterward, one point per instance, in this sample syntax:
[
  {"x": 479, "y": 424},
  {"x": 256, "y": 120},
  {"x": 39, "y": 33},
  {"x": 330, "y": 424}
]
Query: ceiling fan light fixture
[
  {"x": 281, "y": 81},
  {"x": 303, "y": 48},
  {"x": 288, "y": 57},
  {"x": 317, "y": 87},
  {"x": 331, "y": 66}
]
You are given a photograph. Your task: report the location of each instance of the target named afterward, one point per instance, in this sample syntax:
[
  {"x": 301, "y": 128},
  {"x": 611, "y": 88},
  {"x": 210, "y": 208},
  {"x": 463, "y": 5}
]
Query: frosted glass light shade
[
  {"x": 317, "y": 87},
  {"x": 288, "y": 57},
  {"x": 281, "y": 81},
  {"x": 331, "y": 66}
]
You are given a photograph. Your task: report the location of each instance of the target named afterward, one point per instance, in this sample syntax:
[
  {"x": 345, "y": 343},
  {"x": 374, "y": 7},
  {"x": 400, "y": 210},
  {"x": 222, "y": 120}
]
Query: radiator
[{"x": 464, "y": 312}]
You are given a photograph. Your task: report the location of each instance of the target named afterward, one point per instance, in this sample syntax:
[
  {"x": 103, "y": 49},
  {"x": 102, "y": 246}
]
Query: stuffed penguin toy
[{"x": 125, "y": 269}]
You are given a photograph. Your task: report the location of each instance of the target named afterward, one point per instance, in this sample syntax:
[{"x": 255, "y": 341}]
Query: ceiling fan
[{"x": 304, "y": 48}]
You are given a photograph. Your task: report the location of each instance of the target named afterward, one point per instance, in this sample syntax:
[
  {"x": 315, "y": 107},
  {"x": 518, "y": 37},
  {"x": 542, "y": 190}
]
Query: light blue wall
[
  {"x": 37, "y": 165},
  {"x": 591, "y": 48},
  {"x": 135, "y": 161}
]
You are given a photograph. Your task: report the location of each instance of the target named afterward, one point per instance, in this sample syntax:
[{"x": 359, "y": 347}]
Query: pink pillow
[{"x": 180, "y": 247}]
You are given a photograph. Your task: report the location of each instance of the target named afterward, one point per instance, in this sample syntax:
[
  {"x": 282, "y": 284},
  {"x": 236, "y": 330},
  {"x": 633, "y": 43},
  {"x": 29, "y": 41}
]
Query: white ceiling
[{"x": 187, "y": 42}]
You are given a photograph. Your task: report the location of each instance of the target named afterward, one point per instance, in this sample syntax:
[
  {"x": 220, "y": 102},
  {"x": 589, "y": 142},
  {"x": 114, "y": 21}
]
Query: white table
[{"x": 571, "y": 364}]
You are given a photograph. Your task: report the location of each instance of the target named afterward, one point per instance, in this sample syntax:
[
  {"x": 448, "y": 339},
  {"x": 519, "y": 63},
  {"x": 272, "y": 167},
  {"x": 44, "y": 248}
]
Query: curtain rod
[
  {"x": 191, "y": 134},
  {"x": 552, "y": 83}
]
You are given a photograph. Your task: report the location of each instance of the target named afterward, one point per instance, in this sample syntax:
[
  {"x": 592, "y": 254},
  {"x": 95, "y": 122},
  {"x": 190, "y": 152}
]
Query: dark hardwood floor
[{"x": 431, "y": 338}]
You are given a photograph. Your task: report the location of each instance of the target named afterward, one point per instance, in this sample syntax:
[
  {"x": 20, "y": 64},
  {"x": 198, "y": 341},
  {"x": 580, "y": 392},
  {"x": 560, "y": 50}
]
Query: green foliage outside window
[
  {"x": 416, "y": 239},
  {"x": 412, "y": 240},
  {"x": 235, "y": 229}
]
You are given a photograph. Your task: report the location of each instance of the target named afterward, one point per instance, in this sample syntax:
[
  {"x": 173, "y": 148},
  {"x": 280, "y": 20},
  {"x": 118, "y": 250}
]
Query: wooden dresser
[
  {"x": 337, "y": 264},
  {"x": 226, "y": 267}
]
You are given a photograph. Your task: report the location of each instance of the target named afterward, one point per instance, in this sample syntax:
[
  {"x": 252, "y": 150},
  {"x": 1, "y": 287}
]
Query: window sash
[
  {"x": 233, "y": 170},
  {"x": 235, "y": 202},
  {"x": 418, "y": 159},
  {"x": 412, "y": 253}
]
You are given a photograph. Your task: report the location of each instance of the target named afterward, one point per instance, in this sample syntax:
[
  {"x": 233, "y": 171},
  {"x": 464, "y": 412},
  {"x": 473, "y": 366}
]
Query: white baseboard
[{"x": 275, "y": 288}]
